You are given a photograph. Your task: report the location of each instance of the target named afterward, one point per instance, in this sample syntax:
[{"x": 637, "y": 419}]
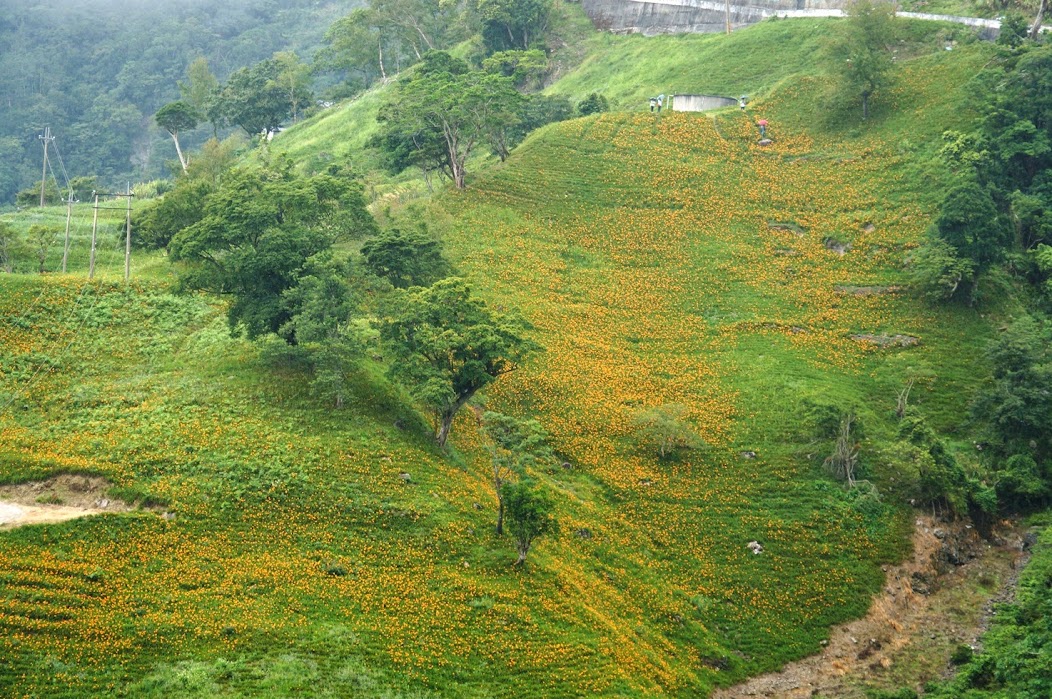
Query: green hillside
[{"x": 660, "y": 260}]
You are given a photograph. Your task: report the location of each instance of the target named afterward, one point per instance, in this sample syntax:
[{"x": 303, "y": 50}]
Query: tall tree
[
  {"x": 293, "y": 78},
  {"x": 861, "y": 50},
  {"x": 531, "y": 515},
  {"x": 320, "y": 309},
  {"x": 447, "y": 106},
  {"x": 448, "y": 345},
  {"x": 8, "y": 245},
  {"x": 39, "y": 241},
  {"x": 257, "y": 100},
  {"x": 260, "y": 227},
  {"x": 177, "y": 117},
  {"x": 969, "y": 222},
  {"x": 201, "y": 90},
  {"x": 201, "y": 85},
  {"x": 405, "y": 259},
  {"x": 513, "y": 24},
  {"x": 515, "y": 446}
]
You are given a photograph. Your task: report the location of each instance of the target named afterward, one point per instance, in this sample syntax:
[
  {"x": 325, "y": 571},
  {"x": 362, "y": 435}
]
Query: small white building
[{"x": 701, "y": 103}]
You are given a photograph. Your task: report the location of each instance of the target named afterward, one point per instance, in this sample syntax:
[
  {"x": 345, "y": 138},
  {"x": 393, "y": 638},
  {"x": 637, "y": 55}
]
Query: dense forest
[{"x": 95, "y": 71}]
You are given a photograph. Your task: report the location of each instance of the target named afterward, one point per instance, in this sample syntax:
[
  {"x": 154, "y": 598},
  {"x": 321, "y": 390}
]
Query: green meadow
[{"x": 659, "y": 260}]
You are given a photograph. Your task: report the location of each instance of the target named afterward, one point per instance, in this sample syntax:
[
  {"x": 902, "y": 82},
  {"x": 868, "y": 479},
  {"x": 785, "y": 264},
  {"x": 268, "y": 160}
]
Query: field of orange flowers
[{"x": 667, "y": 260}]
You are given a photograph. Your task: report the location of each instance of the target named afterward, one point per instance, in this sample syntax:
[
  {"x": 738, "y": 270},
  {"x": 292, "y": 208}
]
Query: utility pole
[
  {"x": 69, "y": 216},
  {"x": 94, "y": 229},
  {"x": 46, "y": 138},
  {"x": 127, "y": 238}
]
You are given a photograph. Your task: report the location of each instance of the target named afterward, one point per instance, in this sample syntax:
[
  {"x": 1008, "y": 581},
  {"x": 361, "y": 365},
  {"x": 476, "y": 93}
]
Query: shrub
[
  {"x": 593, "y": 104},
  {"x": 665, "y": 430}
]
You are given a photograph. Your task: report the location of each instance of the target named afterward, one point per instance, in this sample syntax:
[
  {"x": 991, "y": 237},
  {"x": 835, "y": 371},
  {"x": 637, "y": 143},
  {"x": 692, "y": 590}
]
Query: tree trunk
[
  {"x": 423, "y": 36},
  {"x": 500, "y": 516},
  {"x": 444, "y": 425},
  {"x": 524, "y": 549},
  {"x": 380, "y": 47},
  {"x": 459, "y": 178},
  {"x": 445, "y": 421},
  {"x": 865, "y": 106},
  {"x": 179, "y": 151},
  {"x": 1035, "y": 30}
]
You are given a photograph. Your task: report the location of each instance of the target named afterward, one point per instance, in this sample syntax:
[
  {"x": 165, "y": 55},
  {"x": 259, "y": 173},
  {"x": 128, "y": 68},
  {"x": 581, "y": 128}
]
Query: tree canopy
[
  {"x": 258, "y": 230},
  {"x": 861, "y": 51},
  {"x": 448, "y": 345},
  {"x": 441, "y": 115}
]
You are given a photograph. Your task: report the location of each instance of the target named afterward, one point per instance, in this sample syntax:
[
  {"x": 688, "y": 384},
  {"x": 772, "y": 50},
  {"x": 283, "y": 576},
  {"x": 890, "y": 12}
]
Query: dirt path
[
  {"x": 933, "y": 602},
  {"x": 18, "y": 515},
  {"x": 57, "y": 499}
]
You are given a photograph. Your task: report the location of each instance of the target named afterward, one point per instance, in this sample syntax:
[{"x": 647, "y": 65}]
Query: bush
[
  {"x": 665, "y": 430},
  {"x": 938, "y": 272},
  {"x": 593, "y": 104},
  {"x": 961, "y": 655}
]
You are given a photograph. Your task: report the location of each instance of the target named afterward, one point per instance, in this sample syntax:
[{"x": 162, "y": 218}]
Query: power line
[
  {"x": 46, "y": 138},
  {"x": 65, "y": 350},
  {"x": 62, "y": 164}
]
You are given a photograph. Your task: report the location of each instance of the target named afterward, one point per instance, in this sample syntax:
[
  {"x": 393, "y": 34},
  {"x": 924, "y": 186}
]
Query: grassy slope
[{"x": 641, "y": 251}]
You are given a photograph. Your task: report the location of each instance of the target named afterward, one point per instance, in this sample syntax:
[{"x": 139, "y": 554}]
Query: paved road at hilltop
[{"x": 760, "y": 13}]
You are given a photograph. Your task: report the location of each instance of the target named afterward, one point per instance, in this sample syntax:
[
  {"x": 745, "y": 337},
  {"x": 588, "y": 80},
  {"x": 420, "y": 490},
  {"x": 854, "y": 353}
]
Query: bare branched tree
[{"x": 842, "y": 462}]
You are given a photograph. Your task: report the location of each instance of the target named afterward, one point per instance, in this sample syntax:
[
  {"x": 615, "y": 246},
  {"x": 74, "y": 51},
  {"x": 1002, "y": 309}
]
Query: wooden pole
[
  {"x": 94, "y": 229},
  {"x": 46, "y": 138},
  {"x": 69, "y": 216},
  {"x": 127, "y": 238},
  {"x": 727, "y": 6}
]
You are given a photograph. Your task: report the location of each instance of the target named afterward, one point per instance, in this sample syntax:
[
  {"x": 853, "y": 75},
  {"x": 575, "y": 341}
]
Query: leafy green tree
[
  {"x": 83, "y": 186},
  {"x": 31, "y": 195},
  {"x": 176, "y": 117},
  {"x": 968, "y": 221},
  {"x": 358, "y": 44},
  {"x": 1032, "y": 216},
  {"x": 39, "y": 241},
  {"x": 1043, "y": 258},
  {"x": 259, "y": 99},
  {"x": 201, "y": 86},
  {"x": 293, "y": 79},
  {"x": 964, "y": 151},
  {"x": 666, "y": 430},
  {"x": 525, "y": 68},
  {"x": 215, "y": 158},
  {"x": 512, "y": 24},
  {"x": 515, "y": 445},
  {"x": 260, "y": 227},
  {"x": 860, "y": 52},
  {"x": 320, "y": 309},
  {"x": 1018, "y": 405},
  {"x": 1014, "y": 29},
  {"x": 157, "y": 223},
  {"x": 1017, "y": 118},
  {"x": 448, "y": 109},
  {"x": 530, "y": 515},
  {"x": 8, "y": 245},
  {"x": 405, "y": 259},
  {"x": 939, "y": 272},
  {"x": 390, "y": 34},
  {"x": 941, "y": 480},
  {"x": 543, "y": 109},
  {"x": 594, "y": 103},
  {"x": 448, "y": 345}
]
